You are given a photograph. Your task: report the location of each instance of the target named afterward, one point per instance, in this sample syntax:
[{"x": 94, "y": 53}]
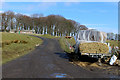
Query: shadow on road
[
  {"x": 85, "y": 58},
  {"x": 72, "y": 56},
  {"x": 63, "y": 55}
]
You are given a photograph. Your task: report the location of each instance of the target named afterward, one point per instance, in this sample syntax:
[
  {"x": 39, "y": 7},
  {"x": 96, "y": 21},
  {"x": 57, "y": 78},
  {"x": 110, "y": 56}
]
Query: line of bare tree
[{"x": 51, "y": 24}]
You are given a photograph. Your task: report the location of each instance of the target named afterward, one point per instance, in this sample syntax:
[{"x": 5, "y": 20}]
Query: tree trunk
[
  {"x": 43, "y": 31},
  {"x": 46, "y": 30}
]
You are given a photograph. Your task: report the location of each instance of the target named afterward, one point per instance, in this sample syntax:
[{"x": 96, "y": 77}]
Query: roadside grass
[
  {"x": 114, "y": 42},
  {"x": 16, "y": 45},
  {"x": 65, "y": 44}
]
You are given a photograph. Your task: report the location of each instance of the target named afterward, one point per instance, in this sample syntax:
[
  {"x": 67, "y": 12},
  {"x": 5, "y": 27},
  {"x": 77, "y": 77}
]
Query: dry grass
[
  {"x": 114, "y": 42},
  {"x": 93, "y": 47},
  {"x": 82, "y": 64},
  {"x": 89, "y": 66},
  {"x": 8, "y": 42}
]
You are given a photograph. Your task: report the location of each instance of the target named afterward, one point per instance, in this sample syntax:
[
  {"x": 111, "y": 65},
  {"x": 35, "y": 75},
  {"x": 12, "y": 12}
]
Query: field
[
  {"x": 113, "y": 42},
  {"x": 16, "y": 45}
]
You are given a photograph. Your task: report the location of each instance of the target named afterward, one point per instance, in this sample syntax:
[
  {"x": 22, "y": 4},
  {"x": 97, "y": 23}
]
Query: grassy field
[
  {"x": 64, "y": 44},
  {"x": 16, "y": 45},
  {"x": 113, "y": 42}
]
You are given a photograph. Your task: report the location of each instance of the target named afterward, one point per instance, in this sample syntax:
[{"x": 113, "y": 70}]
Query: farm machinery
[{"x": 92, "y": 43}]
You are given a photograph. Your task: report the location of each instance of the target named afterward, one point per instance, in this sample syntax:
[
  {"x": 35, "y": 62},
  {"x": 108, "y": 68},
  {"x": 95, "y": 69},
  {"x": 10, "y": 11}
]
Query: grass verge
[
  {"x": 65, "y": 44},
  {"x": 16, "y": 45}
]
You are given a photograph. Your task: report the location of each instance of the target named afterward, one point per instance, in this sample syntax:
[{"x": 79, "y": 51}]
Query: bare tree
[{"x": 52, "y": 24}]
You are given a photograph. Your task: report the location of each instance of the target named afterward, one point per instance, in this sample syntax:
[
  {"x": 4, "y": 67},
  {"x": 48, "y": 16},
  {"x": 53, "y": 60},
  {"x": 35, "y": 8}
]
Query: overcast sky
[{"x": 102, "y": 16}]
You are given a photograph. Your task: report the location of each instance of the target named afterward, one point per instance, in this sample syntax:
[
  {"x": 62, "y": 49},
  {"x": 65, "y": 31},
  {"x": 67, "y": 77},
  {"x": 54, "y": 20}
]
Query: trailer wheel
[{"x": 106, "y": 59}]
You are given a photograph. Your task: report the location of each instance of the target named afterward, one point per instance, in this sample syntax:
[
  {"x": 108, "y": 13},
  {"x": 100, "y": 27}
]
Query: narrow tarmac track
[{"x": 46, "y": 61}]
